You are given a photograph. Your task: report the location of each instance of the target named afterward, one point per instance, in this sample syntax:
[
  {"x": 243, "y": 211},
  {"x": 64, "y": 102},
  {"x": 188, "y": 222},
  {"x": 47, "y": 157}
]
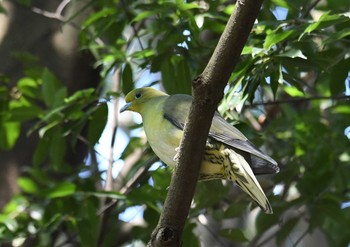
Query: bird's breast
[{"x": 163, "y": 138}]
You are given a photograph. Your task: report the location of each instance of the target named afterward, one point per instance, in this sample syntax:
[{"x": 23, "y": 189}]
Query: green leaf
[
  {"x": 29, "y": 87},
  {"x": 265, "y": 221},
  {"x": 52, "y": 90},
  {"x": 144, "y": 15},
  {"x": 337, "y": 36},
  {"x": 23, "y": 110},
  {"x": 104, "y": 194},
  {"x": 41, "y": 151},
  {"x": 341, "y": 109},
  {"x": 102, "y": 14},
  {"x": 9, "y": 133},
  {"x": 61, "y": 190},
  {"x": 234, "y": 234},
  {"x": 338, "y": 75},
  {"x": 9, "y": 222},
  {"x": 176, "y": 75},
  {"x": 285, "y": 230},
  {"x": 325, "y": 20},
  {"x": 187, "y": 6},
  {"x": 143, "y": 54},
  {"x": 127, "y": 79},
  {"x": 275, "y": 37},
  {"x": 4, "y": 93},
  {"x": 97, "y": 123},
  {"x": 151, "y": 215},
  {"x": 81, "y": 94},
  {"x": 327, "y": 208},
  {"x": 27, "y": 185},
  {"x": 293, "y": 91},
  {"x": 42, "y": 131},
  {"x": 57, "y": 149},
  {"x": 134, "y": 142},
  {"x": 276, "y": 80},
  {"x": 293, "y": 53}
]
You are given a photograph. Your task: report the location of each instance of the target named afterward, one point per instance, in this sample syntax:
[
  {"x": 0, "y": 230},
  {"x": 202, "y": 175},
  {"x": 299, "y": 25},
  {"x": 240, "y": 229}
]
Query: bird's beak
[{"x": 125, "y": 107}]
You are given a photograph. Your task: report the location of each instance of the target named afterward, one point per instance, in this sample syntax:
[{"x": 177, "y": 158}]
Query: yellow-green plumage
[{"x": 228, "y": 153}]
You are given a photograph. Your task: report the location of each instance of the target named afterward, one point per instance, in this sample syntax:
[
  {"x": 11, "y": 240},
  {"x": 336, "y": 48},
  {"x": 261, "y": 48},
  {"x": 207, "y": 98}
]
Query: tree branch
[
  {"x": 207, "y": 92},
  {"x": 298, "y": 100}
]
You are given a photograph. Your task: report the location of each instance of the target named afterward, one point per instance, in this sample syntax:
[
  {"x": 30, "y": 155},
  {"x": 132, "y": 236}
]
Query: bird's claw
[{"x": 177, "y": 155}]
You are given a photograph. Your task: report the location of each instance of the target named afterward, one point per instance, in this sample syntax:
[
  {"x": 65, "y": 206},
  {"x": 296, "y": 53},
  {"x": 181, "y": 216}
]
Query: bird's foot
[
  {"x": 208, "y": 146},
  {"x": 177, "y": 155}
]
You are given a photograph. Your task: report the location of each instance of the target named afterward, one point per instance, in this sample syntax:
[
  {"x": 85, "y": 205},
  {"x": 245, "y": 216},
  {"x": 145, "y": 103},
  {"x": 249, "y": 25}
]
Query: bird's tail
[{"x": 238, "y": 170}]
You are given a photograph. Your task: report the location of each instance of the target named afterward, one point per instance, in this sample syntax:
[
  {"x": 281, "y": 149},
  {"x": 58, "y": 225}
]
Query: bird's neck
[{"x": 152, "y": 107}]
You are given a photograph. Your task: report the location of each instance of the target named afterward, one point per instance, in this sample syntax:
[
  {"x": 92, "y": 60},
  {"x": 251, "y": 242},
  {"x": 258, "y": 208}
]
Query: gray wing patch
[
  {"x": 176, "y": 109},
  {"x": 260, "y": 162}
]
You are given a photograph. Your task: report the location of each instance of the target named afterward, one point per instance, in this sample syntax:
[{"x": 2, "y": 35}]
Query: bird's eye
[{"x": 137, "y": 95}]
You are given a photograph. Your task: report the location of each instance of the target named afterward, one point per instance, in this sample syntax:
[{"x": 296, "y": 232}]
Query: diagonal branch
[{"x": 207, "y": 91}]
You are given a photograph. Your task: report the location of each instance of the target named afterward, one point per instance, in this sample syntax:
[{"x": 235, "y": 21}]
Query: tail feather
[{"x": 238, "y": 170}]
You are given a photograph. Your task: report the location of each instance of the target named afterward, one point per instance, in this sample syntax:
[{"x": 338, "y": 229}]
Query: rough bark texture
[{"x": 207, "y": 92}]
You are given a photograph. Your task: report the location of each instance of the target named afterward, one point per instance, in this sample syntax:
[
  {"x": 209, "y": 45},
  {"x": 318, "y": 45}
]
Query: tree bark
[{"x": 207, "y": 91}]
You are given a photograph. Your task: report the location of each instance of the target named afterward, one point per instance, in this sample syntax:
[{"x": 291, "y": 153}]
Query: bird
[{"x": 228, "y": 153}]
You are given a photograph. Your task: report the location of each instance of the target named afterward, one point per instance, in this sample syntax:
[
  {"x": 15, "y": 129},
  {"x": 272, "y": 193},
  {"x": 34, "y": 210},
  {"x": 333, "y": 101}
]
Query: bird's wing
[
  {"x": 177, "y": 108},
  {"x": 223, "y": 132}
]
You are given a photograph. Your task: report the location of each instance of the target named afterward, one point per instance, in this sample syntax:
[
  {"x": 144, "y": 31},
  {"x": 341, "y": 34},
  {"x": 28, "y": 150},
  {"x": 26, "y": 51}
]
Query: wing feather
[{"x": 176, "y": 110}]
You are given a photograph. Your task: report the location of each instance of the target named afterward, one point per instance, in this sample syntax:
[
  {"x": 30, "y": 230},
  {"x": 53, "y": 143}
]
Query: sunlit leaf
[
  {"x": 61, "y": 190},
  {"x": 9, "y": 133},
  {"x": 99, "y": 15},
  {"x": 324, "y": 21},
  {"x": 9, "y": 222},
  {"x": 294, "y": 92},
  {"x": 27, "y": 185},
  {"x": 293, "y": 53},
  {"x": 29, "y": 87},
  {"x": 275, "y": 37}
]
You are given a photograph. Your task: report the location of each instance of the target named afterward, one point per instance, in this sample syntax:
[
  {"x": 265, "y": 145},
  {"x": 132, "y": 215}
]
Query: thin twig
[
  {"x": 53, "y": 15},
  {"x": 132, "y": 24},
  {"x": 114, "y": 129},
  {"x": 301, "y": 237},
  {"x": 262, "y": 243},
  {"x": 58, "y": 14},
  {"x": 307, "y": 11},
  {"x": 109, "y": 178},
  {"x": 298, "y": 100},
  {"x": 131, "y": 183}
]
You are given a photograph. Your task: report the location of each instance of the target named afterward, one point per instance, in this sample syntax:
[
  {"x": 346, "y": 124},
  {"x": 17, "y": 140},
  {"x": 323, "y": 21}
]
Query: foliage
[{"x": 299, "y": 65}]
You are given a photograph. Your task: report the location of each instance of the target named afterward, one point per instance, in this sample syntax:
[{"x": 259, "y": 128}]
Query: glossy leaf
[
  {"x": 61, "y": 190},
  {"x": 127, "y": 79},
  {"x": 28, "y": 185},
  {"x": 97, "y": 123}
]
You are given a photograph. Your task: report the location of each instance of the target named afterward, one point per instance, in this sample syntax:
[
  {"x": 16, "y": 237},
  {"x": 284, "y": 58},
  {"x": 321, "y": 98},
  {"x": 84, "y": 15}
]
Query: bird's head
[{"x": 137, "y": 98}]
